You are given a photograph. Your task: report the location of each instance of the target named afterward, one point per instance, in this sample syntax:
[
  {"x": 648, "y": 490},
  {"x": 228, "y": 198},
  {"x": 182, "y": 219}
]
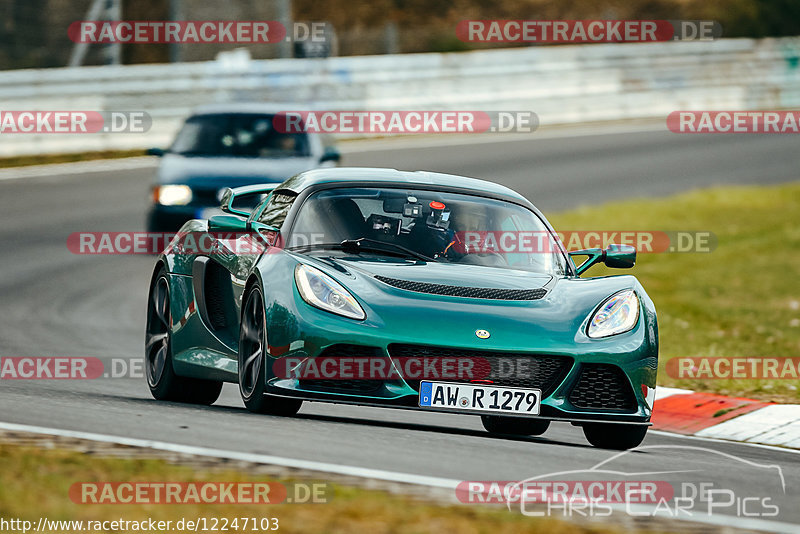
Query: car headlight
[
  {"x": 322, "y": 291},
  {"x": 172, "y": 195},
  {"x": 616, "y": 315}
]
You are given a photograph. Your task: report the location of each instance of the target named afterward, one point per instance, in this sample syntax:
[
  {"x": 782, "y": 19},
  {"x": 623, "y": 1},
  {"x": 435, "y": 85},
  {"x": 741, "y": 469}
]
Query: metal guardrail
[{"x": 562, "y": 84}]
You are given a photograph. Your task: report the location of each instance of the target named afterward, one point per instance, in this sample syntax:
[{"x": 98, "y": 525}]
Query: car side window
[{"x": 277, "y": 208}]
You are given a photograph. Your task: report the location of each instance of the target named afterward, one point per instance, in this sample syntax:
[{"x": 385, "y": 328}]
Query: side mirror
[
  {"x": 228, "y": 223},
  {"x": 331, "y": 154},
  {"x": 158, "y": 152},
  {"x": 615, "y": 256},
  {"x": 230, "y": 196},
  {"x": 620, "y": 256}
]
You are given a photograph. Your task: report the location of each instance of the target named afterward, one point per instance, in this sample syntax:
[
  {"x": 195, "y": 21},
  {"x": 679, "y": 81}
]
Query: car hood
[
  {"x": 555, "y": 322},
  {"x": 444, "y": 273},
  {"x": 206, "y": 172}
]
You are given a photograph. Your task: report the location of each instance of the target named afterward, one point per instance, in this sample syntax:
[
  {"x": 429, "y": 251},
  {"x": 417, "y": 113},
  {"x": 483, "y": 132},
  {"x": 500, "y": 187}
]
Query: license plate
[{"x": 474, "y": 397}]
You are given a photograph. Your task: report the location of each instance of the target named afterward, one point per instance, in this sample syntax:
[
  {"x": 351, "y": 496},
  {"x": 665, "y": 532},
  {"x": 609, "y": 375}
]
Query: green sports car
[{"x": 412, "y": 290}]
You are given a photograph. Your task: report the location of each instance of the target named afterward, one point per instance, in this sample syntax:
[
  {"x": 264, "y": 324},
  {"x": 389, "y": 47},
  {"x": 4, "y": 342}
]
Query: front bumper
[{"x": 611, "y": 380}]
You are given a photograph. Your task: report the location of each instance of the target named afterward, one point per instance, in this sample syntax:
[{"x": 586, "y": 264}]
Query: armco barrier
[{"x": 562, "y": 84}]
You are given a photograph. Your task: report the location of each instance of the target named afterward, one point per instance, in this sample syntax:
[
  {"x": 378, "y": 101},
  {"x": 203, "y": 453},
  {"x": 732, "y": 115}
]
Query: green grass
[
  {"x": 741, "y": 300},
  {"x": 35, "y": 483}
]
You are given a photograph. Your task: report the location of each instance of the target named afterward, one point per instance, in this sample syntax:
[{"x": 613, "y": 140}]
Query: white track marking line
[
  {"x": 362, "y": 472},
  {"x": 720, "y": 440},
  {"x": 78, "y": 167}
]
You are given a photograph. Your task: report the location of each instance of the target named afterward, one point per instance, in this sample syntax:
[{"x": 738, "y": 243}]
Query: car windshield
[
  {"x": 446, "y": 227},
  {"x": 244, "y": 135}
]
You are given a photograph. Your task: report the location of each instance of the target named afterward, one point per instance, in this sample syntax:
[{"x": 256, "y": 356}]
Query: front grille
[
  {"x": 462, "y": 291},
  {"x": 603, "y": 387},
  {"x": 501, "y": 368},
  {"x": 346, "y": 385}
]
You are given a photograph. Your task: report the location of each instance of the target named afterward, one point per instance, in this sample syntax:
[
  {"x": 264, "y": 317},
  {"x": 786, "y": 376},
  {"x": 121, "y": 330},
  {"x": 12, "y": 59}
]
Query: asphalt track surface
[{"x": 55, "y": 303}]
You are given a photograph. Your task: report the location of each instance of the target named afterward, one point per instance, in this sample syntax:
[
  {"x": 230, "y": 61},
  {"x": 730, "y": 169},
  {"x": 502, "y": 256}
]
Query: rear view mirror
[{"x": 615, "y": 256}]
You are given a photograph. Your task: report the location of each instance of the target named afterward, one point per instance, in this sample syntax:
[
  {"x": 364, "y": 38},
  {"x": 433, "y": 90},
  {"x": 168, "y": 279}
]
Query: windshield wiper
[
  {"x": 363, "y": 244},
  {"x": 313, "y": 246},
  {"x": 373, "y": 245}
]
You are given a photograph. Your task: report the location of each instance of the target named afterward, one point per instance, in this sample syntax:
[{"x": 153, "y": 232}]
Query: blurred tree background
[{"x": 33, "y": 33}]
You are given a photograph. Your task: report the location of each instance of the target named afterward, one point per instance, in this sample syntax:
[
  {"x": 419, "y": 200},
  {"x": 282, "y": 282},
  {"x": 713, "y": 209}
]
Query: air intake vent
[
  {"x": 603, "y": 387},
  {"x": 522, "y": 370},
  {"x": 356, "y": 386},
  {"x": 467, "y": 292}
]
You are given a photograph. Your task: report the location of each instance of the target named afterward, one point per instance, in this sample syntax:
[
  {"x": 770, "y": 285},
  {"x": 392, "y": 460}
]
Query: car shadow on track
[
  {"x": 421, "y": 427},
  {"x": 239, "y": 411}
]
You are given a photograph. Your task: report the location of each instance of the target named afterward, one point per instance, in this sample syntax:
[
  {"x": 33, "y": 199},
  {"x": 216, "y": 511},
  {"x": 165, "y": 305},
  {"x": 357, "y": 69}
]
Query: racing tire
[
  {"x": 164, "y": 384},
  {"x": 252, "y": 358}
]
